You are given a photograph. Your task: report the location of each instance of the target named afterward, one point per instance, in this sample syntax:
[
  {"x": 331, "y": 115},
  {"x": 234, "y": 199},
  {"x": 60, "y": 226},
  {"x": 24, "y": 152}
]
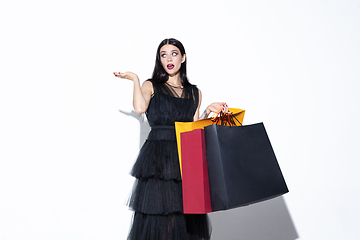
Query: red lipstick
[{"x": 170, "y": 66}]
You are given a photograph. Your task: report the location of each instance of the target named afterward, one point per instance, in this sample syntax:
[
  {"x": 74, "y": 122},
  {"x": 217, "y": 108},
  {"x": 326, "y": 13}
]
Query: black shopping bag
[{"x": 242, "y": 166}]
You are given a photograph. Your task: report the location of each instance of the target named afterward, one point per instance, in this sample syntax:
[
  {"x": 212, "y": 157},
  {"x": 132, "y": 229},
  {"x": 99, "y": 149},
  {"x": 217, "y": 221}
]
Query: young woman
[{"x": 157, "y": 195}]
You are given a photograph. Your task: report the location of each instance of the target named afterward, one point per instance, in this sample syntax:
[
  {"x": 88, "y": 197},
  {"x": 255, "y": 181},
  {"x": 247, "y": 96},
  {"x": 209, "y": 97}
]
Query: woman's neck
[{"x": 174, "y": 80}]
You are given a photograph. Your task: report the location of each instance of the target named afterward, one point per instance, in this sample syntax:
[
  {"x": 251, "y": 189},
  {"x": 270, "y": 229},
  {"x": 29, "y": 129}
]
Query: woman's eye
[
  {"x": 163, "y": 55},
  {"x": 174, "y": 53}
]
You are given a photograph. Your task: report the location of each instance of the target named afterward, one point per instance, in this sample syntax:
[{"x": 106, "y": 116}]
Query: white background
[{"x": 67, "y": 144}]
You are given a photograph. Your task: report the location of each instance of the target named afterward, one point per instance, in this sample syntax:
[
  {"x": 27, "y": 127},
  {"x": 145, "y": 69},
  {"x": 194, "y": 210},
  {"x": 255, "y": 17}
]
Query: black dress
[{"x": 157, "y": 192}]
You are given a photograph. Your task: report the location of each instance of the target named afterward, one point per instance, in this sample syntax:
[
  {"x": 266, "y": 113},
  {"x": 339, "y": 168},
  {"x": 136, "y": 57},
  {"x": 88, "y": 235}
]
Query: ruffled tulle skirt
[{"x": 157, "y": 194}]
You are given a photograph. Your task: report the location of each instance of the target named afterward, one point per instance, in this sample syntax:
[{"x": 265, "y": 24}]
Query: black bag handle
[{"x": 225, "y": 119}]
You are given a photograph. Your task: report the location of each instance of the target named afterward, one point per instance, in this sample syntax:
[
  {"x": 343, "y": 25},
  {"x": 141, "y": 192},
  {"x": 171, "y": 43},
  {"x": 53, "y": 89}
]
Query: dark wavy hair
[{"x": 159, "y": 73}]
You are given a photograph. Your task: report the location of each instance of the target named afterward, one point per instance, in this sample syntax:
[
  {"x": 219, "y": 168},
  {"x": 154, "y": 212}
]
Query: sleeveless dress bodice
[{"x": 167, "y": 106}]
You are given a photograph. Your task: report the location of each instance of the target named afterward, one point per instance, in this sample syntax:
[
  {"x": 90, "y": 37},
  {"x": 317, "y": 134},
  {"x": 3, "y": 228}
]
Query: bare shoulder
[
  {"x": 148, "y": 87},
  {"x": 147, "y": 83}
]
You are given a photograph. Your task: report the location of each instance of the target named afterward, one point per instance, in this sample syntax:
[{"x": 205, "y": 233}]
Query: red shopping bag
[{"x": 195, "y": 180}]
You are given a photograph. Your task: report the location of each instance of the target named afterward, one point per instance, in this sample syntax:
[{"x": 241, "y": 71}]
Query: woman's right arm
[{"x": 141, "y": 95}]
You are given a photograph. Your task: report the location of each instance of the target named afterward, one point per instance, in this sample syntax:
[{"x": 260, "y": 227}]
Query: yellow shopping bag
[{"x": 181, "y": 127}]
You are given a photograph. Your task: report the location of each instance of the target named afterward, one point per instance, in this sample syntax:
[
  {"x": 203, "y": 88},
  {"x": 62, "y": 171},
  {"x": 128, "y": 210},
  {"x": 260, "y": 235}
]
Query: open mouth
[{"x": 170, "y": 66}]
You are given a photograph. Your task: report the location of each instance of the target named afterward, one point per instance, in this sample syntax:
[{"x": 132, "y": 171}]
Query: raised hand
[{"x": 127, "y": 75}]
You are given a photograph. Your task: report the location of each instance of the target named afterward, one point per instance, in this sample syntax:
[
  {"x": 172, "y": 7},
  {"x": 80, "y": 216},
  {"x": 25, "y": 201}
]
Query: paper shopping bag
[
  {"x": 195, "y": 181},
  {"x": 242, "y": 166}
]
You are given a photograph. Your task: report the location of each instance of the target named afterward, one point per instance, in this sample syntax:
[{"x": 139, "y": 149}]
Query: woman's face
[{"x": 171, "y": 59}]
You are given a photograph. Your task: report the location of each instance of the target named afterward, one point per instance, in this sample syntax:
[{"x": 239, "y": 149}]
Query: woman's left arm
[{"x": 214, "y": 107}]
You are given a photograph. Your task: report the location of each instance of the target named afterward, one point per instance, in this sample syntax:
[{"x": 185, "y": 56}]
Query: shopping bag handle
[{"x": 222, "y": 118}]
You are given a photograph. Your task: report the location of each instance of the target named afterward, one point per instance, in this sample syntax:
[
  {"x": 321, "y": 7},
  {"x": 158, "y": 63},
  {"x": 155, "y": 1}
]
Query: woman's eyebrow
[{"x": 171, "y": 51}]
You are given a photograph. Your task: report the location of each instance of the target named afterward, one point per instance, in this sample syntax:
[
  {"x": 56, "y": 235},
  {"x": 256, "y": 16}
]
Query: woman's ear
[{"x": 183, "y": 58}]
